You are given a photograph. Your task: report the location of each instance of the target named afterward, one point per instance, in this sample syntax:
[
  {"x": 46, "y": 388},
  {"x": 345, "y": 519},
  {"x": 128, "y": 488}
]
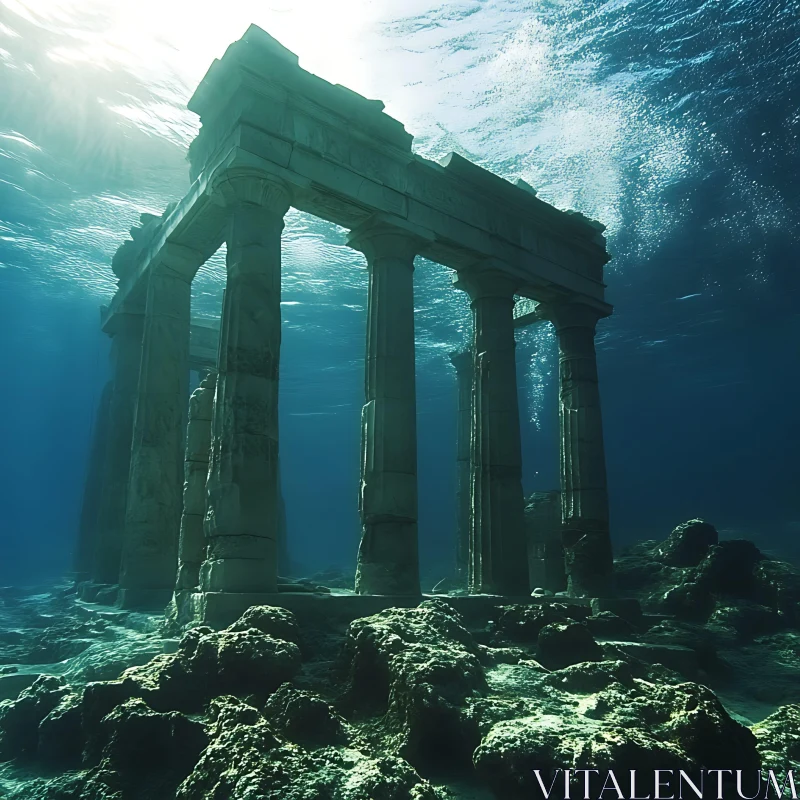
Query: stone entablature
[{"x": 345, "y": 160}]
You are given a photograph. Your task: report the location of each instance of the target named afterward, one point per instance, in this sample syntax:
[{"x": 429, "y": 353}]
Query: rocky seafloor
[{"x": 410, "y": 703}]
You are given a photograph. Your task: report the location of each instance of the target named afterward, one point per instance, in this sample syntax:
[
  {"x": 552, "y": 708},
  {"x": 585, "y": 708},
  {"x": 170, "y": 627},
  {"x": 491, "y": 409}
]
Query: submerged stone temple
[{"x": 205, "y": 507}]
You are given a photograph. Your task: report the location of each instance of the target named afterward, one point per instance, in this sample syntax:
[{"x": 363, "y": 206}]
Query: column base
[
  {"x": 547, "y": 573},
  {"x": 588, "y": 561},
  {"x": 387, "y": 560},
  {"x": 153, "y": 600},
  {"x": 239, "y": 576},
  {"x": 184, "y": 610}
]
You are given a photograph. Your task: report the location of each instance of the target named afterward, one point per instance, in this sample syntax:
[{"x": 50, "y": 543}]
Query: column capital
[
  {"x": 249, "y": 186},
  {"x": 383, "y": 236},
  {"x": 487, "y": 279},
  {"x": 571, "y": 314}
]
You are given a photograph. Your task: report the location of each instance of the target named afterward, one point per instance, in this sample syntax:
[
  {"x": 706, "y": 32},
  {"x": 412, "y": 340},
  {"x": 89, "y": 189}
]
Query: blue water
[{"x": 674, "y": 122}]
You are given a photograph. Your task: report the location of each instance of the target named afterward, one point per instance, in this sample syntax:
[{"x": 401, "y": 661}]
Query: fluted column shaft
[
  {"x": 192, "y": 545},
  {"x": 242, "y": 518},
  {"x": 153, "y": 514},
  {"x": 584, "y": 494},
  {"x": 388, "y": 561},
  {"x": 126, "y": 356},
  {"x": 463, "y": 363},
  {"x": 498, "y": 553},
  {"x": 88, "y": 528}
]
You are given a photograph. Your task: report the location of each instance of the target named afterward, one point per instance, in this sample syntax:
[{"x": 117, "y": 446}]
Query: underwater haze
[{"x": 674, "y": 122}]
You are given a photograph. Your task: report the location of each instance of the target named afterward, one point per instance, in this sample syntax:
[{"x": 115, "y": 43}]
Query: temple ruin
[{"x": 205, "y": 505}]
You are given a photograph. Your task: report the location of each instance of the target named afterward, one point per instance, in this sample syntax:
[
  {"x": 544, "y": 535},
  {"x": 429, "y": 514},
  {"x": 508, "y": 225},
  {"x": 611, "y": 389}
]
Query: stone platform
[{"x": 220, "y": 609}]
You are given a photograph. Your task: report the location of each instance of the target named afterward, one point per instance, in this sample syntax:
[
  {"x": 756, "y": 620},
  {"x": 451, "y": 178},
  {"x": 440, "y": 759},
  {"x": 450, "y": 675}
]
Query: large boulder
[
  {"x": 562, "y": 644},
  {"x": 689, "y": 543},
  {"x": 509, "y": 756},
  {"x": 304, "y": 718},
  {"x": 60, "y": 739},
  {"x": 20, "y": 718},
  {"x": 246, "y": 760},
  {"x": 590, "y": 677},
  {"x": 688, "y": 600},
  {"x": 778, "y": 586},
  {"x": 210, "y": 663},
  {"x": 749, "y": 620},
  {"x": 522, "y": 623},
  {"x": 598, "y": 716},
  {"x": 729, "y": 568},
  {"x": 147, "y": 747},
  {"x": 421, "y": 666},
  {"x": 778, "y": 738},
  {"x": 271, "y": 620},
  {"x": 691, "y": 716}
]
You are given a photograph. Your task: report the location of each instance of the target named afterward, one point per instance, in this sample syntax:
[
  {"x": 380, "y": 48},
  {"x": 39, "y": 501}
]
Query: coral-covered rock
[
  {"x": 591, "y": 676},
  {"x": 560, "y": 645},
  {"x": 508, "y": 756},
  {"x": 245, "y": 760},
  {"x": 249, "y": 661},
  {"x": 749, "y": 620},
  {"x": 690, "y": 601},
  {"x": 729, "y": 568},
  {"x": 60, "y": 737},
  {"x": 95, "y": 784},
  {"x": 135, "y": 735},
  {"x": 597, "y": 716},
  {"x": 210, "y": 663},
  {"x": 20, "y": 718},
  {"x": 778, "y": 739},
  {"x": 491, "y": 656},
  {"x": 304, "y": 718},
  {"x": 778, "y": 587},
  {"x": 640, "y": 568},
  {"x": 372, "y": 642},
  {"x": 100, "y": 698},
  {"x": 522, "y": 623},
  {"x": 276, "y": 622},
  {"x": 691, "y": 716},
  {"x": 421, "y": 665},
  {"x": 689, "y": 543}
]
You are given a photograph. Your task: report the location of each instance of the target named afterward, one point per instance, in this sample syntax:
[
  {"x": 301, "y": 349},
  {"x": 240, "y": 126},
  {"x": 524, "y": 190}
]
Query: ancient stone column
[
  {"x": 155, "y": 488},
  {"x": 463, "y": 364},
  {"x": 93, "y": 488},
  {"x": 242, "y": 517},
  {"x": 388, "y": 560},
  {"x": 545, "y": 550},
  {"x": 498, "y": 553},
  {"x": 192, "y": 543},
  {"x": 126, "y": 355},
  {"x": 284, "y": 562},
  {"x": 584, "y": 496}
]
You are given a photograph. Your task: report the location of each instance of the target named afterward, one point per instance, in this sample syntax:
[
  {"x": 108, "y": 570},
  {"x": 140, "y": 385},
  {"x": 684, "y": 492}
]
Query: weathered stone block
[
  {"x": 247, "y": 547},
  {"x": 194, "y": 488},
  {"x": 239, "y": 575},
  {"x": 389, "y": 495}
]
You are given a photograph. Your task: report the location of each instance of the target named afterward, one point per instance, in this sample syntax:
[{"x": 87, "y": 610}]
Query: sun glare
[{"x": 180, "y": 38}]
